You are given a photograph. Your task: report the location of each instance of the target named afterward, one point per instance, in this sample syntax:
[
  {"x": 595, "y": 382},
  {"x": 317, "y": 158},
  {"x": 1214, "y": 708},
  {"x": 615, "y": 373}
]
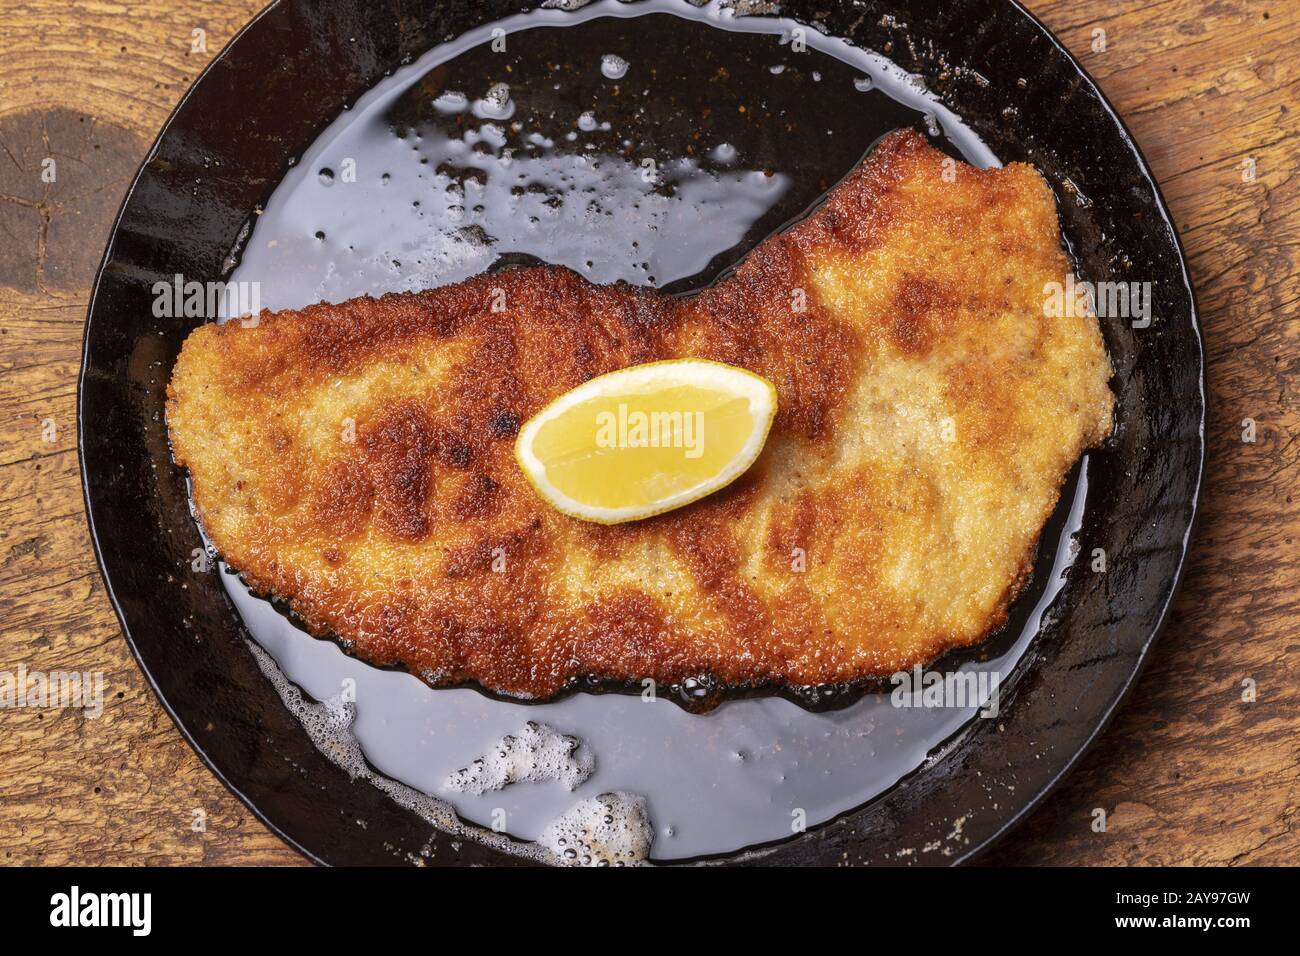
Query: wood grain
[{"x": 1188, "y": 773}]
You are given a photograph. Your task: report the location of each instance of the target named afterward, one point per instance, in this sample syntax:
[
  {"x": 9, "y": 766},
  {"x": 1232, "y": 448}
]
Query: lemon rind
[{"x": 756, "y": 389}]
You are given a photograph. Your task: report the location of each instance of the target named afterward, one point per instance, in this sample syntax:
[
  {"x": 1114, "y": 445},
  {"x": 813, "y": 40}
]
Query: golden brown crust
[{"x": 356, "y": 459}]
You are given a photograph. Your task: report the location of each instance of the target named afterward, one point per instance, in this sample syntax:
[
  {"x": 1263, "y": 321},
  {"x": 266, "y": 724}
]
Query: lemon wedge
[{"x": 646, "y": 439}]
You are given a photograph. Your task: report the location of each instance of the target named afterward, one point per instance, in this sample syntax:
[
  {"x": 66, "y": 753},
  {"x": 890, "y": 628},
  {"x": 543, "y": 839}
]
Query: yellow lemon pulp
[{"x": 646, "y": 439}]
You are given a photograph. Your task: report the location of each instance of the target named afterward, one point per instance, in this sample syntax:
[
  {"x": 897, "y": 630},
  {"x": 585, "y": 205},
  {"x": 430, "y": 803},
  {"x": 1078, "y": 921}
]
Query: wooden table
[{"x": 1188, "y": 773}]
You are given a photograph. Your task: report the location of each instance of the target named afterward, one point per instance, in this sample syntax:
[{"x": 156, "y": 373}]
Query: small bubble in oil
[{"x": 613, "y": 67}]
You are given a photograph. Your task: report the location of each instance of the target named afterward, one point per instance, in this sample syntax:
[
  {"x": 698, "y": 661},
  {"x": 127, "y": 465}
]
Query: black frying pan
[{"x": 292, "y": 70}]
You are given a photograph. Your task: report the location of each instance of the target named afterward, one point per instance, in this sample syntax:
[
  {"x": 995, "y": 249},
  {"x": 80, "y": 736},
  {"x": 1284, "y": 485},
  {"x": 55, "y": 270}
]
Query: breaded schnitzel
[{"x": 357, "y": 460}]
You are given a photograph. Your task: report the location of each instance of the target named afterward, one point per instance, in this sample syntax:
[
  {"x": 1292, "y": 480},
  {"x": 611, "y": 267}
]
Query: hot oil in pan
[{"x": 655, "y": 149}]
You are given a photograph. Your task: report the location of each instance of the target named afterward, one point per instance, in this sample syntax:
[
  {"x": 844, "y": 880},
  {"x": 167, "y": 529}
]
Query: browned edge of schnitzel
[{"x": 734, "y": 320}]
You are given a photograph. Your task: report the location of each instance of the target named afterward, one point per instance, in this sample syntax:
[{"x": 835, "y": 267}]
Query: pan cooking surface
[
  {"x": 529, "y": 144},
  {"x": 476, "y": 156}
]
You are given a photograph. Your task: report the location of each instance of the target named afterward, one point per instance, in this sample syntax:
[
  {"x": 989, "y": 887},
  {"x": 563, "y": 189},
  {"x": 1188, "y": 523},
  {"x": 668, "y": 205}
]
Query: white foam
[
  {"x": 612, "y": 829},
  {"x": 496, "y": 103},
  {"x": 451, "y": 101},
  {"x": 536, "y": 754},
  {"x": 723, "y": 153}
]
